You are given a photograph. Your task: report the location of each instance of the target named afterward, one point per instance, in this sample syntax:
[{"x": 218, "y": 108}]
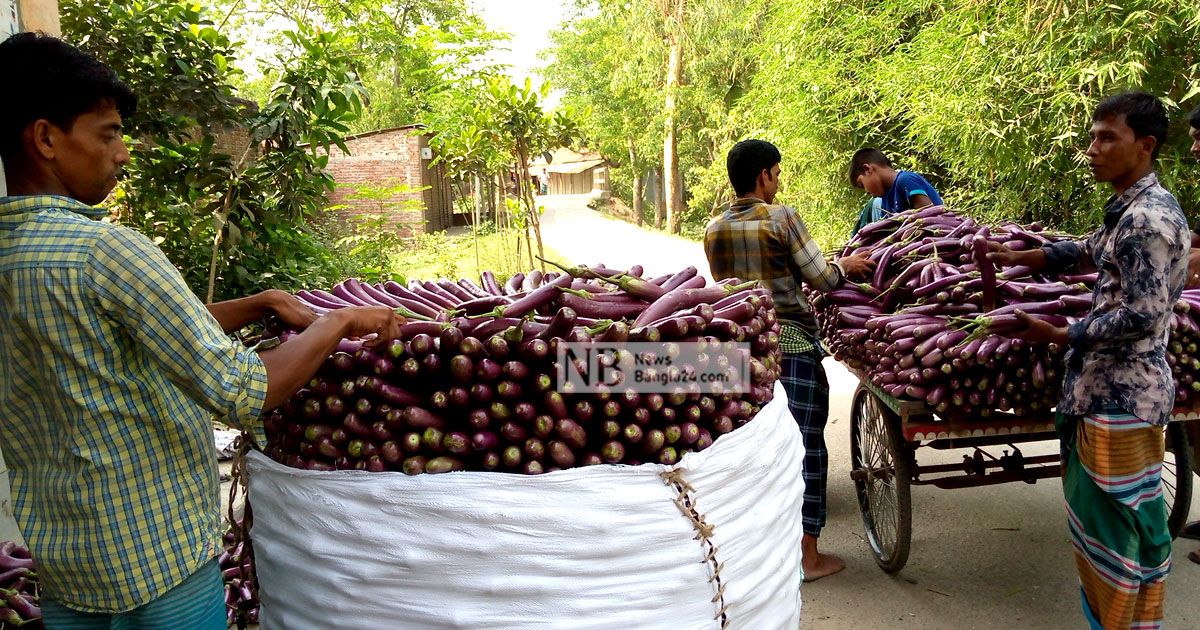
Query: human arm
[
  {"x": 236, "y": 314},
  {"x": 919, "y": 200},
  {"x": 1038, "y": 330},
  {"x": 170, "y": 331},
  {"x": 810, "y": 262},
  {"x": 1002, "y": 256},
  {"x": 1053, "y": 258},
  {"x": 916, "y": 190},
  {"x": 1193, "y": 277},
  {"x": 291, "y": 364}
]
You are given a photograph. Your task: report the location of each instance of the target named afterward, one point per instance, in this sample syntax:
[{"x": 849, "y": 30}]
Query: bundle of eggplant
[
  {"x": 472, "y": 382},
  {"x": 20, "y": 598},
  {"x": 931, "y": 323},
  {"x": 237, "y": 572}
]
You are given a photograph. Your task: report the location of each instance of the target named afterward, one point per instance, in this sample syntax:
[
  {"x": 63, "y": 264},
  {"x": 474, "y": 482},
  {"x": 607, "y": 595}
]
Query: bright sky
[{"x": 529, "y": 22}]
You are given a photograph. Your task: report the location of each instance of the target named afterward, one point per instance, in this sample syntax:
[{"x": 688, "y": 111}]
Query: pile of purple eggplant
[
  {"x": 20, "y": 599},
  {"x": 241, "y": 586},
  {"x": 472, "y": 382},
  {"x": 930, "y": 324}
]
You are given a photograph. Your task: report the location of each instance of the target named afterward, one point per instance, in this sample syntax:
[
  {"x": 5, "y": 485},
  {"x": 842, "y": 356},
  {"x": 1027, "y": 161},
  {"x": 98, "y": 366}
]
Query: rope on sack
[
  {"x": 704, "y": 532},
  {"x": 239, "y": 486}
]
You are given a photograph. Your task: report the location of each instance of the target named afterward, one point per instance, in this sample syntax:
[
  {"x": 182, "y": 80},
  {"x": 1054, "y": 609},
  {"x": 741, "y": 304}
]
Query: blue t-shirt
[{"x": 899, "y": 197}]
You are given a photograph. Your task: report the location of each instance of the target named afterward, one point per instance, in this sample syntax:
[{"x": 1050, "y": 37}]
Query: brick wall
[
  {"x": 387, "y": 158},
  {"x": 234, "y": 141}
]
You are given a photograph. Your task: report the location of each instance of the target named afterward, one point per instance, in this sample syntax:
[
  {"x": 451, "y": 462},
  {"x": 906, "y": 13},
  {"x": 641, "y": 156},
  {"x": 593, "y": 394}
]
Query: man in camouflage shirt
[{"x": 1118, "y": 390}]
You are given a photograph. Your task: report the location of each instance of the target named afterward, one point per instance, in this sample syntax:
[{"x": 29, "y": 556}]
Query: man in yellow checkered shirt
[{"x": 111, "y": 369}]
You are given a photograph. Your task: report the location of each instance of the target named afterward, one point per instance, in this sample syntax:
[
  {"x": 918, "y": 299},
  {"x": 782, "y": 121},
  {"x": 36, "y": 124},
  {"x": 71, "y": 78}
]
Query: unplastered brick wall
[
  {"x": 384, "y": 159},
  {"x": 234, "y": 142}
]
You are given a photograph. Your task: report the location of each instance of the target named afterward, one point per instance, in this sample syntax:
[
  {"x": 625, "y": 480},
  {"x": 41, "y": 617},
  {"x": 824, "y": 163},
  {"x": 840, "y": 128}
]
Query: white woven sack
[{"x": 591, "y": 547}]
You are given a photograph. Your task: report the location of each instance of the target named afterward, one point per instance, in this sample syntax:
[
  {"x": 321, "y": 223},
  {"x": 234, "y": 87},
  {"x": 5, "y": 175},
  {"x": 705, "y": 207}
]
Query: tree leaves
[{"x": 183, "y": 188}]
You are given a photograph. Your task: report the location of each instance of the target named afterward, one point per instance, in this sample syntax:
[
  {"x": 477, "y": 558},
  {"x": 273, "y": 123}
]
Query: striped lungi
[{"x": 1112, "y": 479}]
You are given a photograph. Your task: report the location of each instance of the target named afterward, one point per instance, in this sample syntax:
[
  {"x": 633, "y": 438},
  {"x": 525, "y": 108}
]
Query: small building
[
  {"x": 573, "y": 173},
  {"x": 390, "y": 172}
]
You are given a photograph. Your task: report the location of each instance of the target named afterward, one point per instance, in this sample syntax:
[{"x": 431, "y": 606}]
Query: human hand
[
  {"x": 1002, "y": 256},
  {"x": 290, "y": 311},
  {"x": 1037, "y": 330},
  {"x": 373, "y": 324},
  {"x": 1193, "y": 277},
  {"x": 857, "y": 266}
]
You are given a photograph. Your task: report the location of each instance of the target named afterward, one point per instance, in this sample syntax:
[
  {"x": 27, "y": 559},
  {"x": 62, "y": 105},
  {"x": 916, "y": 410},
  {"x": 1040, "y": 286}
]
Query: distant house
[
  {"x": 573, "y": 173},
  {"x": 388, "y": 158}
]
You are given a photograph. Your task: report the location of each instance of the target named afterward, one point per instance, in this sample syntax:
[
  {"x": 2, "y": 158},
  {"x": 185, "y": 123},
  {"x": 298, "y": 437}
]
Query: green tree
[
  {"x": 615, "y": 61},
  {"x": 491, "y": 124},
  {"x": 616, "y": 90},
  {"x": 406, "y": 52},
  {"x": 233, "y": 224},
  {"x": 991, "y": 101}
]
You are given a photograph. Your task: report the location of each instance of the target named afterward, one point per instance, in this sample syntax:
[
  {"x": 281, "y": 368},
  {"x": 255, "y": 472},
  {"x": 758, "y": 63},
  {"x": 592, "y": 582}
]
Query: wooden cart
[{"x": 886, "y": 433}]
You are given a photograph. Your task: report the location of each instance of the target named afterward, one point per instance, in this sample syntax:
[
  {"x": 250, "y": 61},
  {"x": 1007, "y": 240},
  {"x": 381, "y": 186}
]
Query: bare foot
[{"x": 825, "y": 564}]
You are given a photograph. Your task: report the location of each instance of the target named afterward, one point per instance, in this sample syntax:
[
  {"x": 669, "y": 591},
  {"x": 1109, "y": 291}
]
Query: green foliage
[
  {"x": 406, "y": 53},
  {"x": 991, "y": 101},
  {"x": 374, "y": 239},
  {"x": 489, "y": 124},
  {"x": 233, "y": 224},
  {"x": 611, "y": 59},
  {"x": 442, "y": 255}
]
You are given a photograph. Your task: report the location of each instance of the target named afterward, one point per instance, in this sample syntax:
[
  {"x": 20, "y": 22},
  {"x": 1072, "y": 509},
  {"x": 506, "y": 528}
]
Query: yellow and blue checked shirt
[
  {"x": 753, "y": 240},
  {"x": 110, "y": 373}
]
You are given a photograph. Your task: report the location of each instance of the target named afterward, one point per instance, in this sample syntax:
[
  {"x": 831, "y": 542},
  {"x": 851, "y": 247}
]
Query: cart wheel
[
  {"x": 881, "y": 458},
  {"x": 1177, "y": 477}
]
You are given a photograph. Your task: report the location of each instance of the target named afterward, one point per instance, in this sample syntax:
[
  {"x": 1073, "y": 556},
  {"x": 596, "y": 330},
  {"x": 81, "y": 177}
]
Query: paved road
[{"x": 982, "y": 558}]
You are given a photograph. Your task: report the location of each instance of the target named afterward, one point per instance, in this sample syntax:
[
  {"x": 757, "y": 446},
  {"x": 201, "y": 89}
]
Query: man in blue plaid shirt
[
  {"x": 111, "y": 370},
  {"x": 756, "y": 239}
]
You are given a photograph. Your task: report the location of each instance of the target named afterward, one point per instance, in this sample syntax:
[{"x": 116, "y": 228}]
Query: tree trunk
[
  {"x": 671, "y": 183},
  {"x": 535, "y": 222},
  {"x": 501, "y": 195},
  {"x": 637, "y": 183},
  {"x": 477, "y": 206},
  {"x": 660, "y": 201}
]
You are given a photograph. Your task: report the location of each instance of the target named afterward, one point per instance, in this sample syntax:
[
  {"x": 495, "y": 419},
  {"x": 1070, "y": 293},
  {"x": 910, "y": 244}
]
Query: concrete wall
[
  {"x": 27, "y": 15},
  {"x": 39, "y": 15}
]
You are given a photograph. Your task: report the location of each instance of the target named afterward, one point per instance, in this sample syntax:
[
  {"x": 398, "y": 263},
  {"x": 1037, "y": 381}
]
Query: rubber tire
[
  {"x": 1178, "y": 445},
  {"x": 901, "y": 456}
]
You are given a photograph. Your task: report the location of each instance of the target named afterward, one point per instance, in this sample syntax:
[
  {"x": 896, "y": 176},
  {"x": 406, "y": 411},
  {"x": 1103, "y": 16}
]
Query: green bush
[{"x": 991, "y": 101}]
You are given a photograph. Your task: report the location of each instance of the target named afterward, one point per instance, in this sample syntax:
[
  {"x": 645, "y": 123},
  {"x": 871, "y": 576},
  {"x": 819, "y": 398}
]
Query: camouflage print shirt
[{"x": 1117, "y": 354}]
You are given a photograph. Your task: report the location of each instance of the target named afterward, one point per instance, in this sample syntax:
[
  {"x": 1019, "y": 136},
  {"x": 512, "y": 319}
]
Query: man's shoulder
[
  {"x": 910, "y": 179},
  {"x": 751, "y": 212},
  {"x": 1156, "y": 209}
]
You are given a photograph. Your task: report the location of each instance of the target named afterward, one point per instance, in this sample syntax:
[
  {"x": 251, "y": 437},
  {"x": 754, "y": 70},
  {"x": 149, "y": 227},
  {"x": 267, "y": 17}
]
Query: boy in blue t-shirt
[{"x": 872, "y": 171}]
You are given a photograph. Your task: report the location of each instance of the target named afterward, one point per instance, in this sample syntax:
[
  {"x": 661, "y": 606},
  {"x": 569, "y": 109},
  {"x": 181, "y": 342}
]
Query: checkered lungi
[{"x": 808, "y": 398}]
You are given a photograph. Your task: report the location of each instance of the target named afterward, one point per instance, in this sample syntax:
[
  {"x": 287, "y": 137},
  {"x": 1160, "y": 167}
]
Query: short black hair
[
  {"x": 863, "y": 157},
  {"x": 52, "y": 80},
  {"x": 746, "y": 160},
  {"x": 1194, "y": 118},
  {"x": 1144, "y": 113}
]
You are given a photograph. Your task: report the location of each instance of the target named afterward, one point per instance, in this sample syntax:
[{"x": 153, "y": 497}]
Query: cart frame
[{"x": 886, "y": 433}]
